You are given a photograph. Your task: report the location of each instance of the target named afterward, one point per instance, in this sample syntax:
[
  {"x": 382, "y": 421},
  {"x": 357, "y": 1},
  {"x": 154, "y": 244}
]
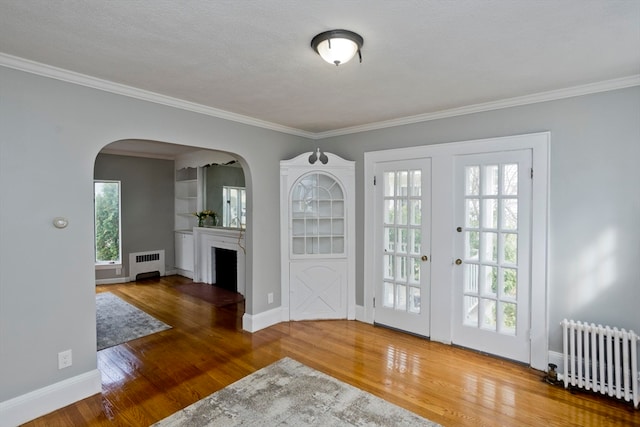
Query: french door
[
  {"x": 491, "y": 288},
  {"x": 482, "y": 223},
  {"x": 403, "y": 245}
]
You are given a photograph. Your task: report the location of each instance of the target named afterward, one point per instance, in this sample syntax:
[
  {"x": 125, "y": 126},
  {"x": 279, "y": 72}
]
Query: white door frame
[{"x": 442, "y": 165}]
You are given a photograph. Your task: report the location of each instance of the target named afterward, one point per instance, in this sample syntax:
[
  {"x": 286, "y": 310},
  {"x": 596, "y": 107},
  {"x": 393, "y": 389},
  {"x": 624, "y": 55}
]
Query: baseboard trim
[
  {"x": 253, "y": 323},
  {"x": 113, "y": 281},
  {"x": 360, "y": 314},
  {"x": 181, "y": 272},
  {"x": 37, "y": 403}
]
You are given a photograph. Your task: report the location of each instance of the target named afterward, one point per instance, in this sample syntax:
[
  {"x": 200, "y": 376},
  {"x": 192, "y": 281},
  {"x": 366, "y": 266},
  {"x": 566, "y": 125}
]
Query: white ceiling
[{"x": 252, "y": 57}]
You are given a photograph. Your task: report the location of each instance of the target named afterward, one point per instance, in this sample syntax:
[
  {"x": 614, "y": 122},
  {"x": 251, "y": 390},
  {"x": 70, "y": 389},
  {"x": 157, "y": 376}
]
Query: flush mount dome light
[{"x": 337, "y": 46}]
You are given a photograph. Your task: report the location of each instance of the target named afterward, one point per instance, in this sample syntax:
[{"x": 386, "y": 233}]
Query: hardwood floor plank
[{"x": 148, "y": 379}]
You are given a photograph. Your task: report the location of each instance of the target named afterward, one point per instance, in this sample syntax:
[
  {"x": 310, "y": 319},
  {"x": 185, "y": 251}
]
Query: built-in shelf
[{"x": 187, "y": 198}]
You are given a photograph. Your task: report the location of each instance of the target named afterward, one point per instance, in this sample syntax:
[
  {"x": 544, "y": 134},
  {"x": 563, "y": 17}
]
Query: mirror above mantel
[
  {"x": 219, "y": 186},
  {"x": 224, "y": 193}
]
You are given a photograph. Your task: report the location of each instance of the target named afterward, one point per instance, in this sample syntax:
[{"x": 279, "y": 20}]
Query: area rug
[
  {"x": 117, "y": 321},
  {"x": 216, "y": 296},
  {"x": 290, "y": 393}
]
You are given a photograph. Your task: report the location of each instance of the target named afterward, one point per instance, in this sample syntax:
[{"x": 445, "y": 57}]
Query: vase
[
  {"x": 200, "y": 222},
  {"x": 209, "y": 222}
]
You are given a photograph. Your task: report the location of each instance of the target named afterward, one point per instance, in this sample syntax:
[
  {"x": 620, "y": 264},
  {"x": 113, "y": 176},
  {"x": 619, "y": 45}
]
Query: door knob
[
  {"x": 425, "y": 258},
  {"x": 458, "y": 261},
  {"x": 459, "y": 229}
]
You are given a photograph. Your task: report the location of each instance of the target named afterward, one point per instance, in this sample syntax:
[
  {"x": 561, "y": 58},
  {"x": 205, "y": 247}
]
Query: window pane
[
  {"x": 401, "y": 297},
  {"x": 472, "y": 181},
  {"x": 490, "y": 186},
  {"x": 490, "y": 252},
  {"x": 387, "y": 299},
  {"x": 471, "y": 278},
  {"x": 414, "y": 300},
  {"x": 510, "y": 179},
  {"x": 107, "y": 221},
  {"x": 402, "y": 212},
  {"x": 416, "y": 183},
  {"x": 389, "y": 266},
  {"x": 298, "y": 245},
  {"x": 389, "y": 211},
  {"x": 338, "y": 245},
  {"x": 403, "y": 240},
  {"x": 488, "y": 313},
  {"x": 234, "y": 206},
  {"x": 389, "y": 184},
  {"x": 416, "y": 212},
  {"x": 509, "y": 214},
  {"x": 470, "y": 311},
  {"x": 472, "y": 245},
  {"x": 509, "y": 282},
  {"x": 508, "y": 322},
  {"x": 416, "y": 241},
  {"x": 403, "y": 182},
  {"x": 389, "y": 239},
  {"x": 401, "y": 264},
  {"x": 472, "y": 213},
  {"x": 490, "y": 280},
  {"x": 490, "y": 213},
  {"x": 511, "y": 248},
  {"x": 415, "y": 277}
]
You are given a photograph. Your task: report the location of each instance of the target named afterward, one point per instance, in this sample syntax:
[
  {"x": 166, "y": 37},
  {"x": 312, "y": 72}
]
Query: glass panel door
[
  {"x": 492, "y": 250},
  {"x": 403, "y": 190}
]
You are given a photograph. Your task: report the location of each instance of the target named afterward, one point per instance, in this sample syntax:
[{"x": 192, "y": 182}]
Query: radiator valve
[{"x": 552, "y": 374}]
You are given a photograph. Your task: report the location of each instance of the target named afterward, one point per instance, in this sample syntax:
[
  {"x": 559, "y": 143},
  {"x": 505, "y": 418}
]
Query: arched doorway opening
[{"x": 164, "y": 186}]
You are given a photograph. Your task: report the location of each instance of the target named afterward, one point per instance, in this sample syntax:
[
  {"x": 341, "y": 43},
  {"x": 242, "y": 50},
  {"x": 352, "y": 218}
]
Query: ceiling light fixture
[{"x": 337, "y": 46}]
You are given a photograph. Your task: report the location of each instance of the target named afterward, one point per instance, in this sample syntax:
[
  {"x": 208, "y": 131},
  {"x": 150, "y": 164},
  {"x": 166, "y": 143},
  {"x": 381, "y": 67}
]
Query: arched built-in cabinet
[{"x": 317, "y": 199}]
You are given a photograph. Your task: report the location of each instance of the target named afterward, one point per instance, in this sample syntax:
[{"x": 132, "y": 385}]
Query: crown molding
[
  {"x": 138, "y": 154},
  {"x": 45, "y": 70},
  {"x": 535, "y": 98},
  {"x": 38, "y": 68}
]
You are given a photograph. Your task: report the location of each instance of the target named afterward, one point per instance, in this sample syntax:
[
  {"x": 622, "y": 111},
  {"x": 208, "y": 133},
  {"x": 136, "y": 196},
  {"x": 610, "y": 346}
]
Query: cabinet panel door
[{"x": 318, "y": 290}]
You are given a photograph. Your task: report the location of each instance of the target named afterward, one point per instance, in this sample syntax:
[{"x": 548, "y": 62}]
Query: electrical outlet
[
  {"x": 270, "y": 298},
  {"x": 64, "y": 359}
]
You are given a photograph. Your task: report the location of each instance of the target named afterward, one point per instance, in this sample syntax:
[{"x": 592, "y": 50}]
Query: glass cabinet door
[{"x": 317, "y": 216}]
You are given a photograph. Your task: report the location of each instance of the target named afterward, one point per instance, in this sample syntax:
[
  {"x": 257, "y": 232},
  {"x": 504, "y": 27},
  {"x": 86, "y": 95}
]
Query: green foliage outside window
[{"x": 107, "y": 221}]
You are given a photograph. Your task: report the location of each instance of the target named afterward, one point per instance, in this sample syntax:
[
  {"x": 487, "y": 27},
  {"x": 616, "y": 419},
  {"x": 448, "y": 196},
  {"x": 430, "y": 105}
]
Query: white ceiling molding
[
  {"x": 552, "y": 95},
  {"x": 100, "y": 84},
  {"x": 120, "y": 89}
]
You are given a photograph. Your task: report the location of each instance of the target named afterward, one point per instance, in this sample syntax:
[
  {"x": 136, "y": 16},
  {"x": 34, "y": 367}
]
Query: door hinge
[
  {"x": 374, "y": 180},
  {"x": 374, "y": 302},
  {"x": 531, "y": 173}
]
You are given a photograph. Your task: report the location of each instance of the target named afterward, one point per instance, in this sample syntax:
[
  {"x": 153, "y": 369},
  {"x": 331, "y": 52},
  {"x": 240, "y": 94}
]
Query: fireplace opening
[{"x": 225, "y": 268}]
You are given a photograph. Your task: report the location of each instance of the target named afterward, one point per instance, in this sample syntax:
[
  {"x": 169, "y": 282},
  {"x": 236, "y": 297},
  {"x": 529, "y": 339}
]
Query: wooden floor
[{"x": 148, "y": 379}]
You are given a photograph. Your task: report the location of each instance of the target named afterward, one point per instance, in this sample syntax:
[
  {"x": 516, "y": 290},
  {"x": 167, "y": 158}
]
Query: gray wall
[
  {"x": 50, "y": 134},
  {"x": 594, "y": 235},
  {"x": 52, "y": 131},
  {"x": 147, "y": 198}
]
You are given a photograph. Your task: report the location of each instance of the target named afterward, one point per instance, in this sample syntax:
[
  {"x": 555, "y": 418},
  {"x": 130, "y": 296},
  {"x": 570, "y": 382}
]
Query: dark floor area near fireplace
[{"x": 213, "y": 294}]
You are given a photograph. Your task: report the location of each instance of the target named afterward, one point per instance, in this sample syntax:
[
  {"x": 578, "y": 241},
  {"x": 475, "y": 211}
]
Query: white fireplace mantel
[{"x": 205, "y": 239}]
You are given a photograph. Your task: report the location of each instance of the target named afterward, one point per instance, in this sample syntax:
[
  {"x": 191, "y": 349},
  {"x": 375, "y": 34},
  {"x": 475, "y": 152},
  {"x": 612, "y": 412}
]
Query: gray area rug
[
  {"x": 117, "y": 321},
  {"x": 288, "y": 393}
]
